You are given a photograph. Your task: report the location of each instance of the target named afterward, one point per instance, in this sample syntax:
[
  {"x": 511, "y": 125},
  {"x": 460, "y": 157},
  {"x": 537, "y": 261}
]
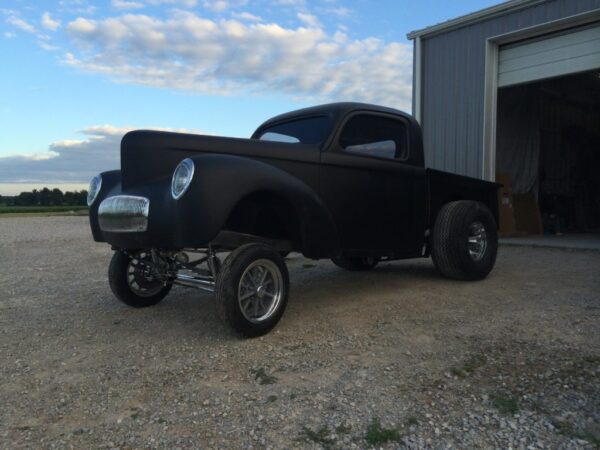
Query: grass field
[{"x": 42, "y": 210}]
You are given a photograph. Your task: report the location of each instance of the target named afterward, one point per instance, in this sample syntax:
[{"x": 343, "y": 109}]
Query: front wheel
[
  {"x": 464, "y": 241},
  {"x": 252, "y": 289},
  {"x": 132, "y": 280}
]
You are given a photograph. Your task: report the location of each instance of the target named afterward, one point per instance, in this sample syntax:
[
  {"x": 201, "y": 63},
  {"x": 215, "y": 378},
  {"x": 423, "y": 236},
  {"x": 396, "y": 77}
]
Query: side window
[{"x": 373, "y": 135}]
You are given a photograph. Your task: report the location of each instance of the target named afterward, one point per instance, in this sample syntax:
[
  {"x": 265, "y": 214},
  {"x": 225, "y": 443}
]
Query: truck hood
[{"x": 147, "y": 156}]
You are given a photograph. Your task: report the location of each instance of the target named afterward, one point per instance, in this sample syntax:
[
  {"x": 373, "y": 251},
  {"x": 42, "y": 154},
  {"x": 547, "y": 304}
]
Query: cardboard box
[
  {"x": 527, "y": 214},
  {"x": 505, "y": 180},
  {"x": 506, "y": 205}
]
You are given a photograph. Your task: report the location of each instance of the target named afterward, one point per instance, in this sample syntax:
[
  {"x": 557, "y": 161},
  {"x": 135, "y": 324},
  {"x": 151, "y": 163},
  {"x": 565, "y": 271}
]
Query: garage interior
[{"x": 548, "y": 156}]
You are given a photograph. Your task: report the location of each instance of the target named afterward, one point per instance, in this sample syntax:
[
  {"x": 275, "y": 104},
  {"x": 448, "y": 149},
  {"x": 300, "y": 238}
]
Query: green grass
[
  {"x": 39, "y": 209},
  {"x": 377, "y": 435},
  {"x": 343, "y": 429},
  {"x": 472, "y": 364},
  {"x": 412, "y": 420},
  {"x": 592, "y": 359},
  {"x": 506, "y": 404},
  {"x": 262, "y": 377},
  {"x": 568, "y": 429},
  {"x": 321, "y": 436}
]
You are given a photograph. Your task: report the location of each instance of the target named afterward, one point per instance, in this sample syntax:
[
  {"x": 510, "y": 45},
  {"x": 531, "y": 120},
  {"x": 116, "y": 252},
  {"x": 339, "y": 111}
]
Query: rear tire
[
  {"x": 132, "y": 284},
  {"x": 464, "y": 241},
  {"x": 355, "y": 263},
  {"x": 252, "y": 289}
]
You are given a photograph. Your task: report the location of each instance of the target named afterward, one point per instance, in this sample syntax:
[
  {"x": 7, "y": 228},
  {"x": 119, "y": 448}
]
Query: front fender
[
  {"x": 221, "y": 181},
  {"x": 111, "y": 185}
]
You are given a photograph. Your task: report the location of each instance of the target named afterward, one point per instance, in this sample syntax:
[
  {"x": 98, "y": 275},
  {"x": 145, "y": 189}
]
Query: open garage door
[
  {"x": 549, "y": 56},
  {"x": 548, "y": 155},
  {"x": 548, "y": 134}
]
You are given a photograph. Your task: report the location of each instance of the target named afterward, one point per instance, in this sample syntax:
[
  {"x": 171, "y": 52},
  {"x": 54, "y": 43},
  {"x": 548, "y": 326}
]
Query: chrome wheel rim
[
  {"x": 260, "y": 291},
  {"x": 477, "y": 241},
  {"x": 140, "y": 277}
]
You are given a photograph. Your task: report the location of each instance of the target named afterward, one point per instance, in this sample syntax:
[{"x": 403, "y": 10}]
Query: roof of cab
[{"x": 333, "y": 110}]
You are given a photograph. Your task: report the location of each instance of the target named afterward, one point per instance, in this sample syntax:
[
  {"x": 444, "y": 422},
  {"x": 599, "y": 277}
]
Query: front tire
[
  {"x": 252, "y": 289},
  {"x": 464, "y": 241},
  {"x": 133, "y": 283}
]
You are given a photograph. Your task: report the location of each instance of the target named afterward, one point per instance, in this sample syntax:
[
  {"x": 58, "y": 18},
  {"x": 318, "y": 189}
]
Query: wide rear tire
[{"x": 464, "y": 242}]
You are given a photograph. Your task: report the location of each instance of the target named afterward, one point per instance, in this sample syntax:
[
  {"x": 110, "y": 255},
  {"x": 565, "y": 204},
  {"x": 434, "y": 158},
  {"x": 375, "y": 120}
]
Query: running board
[{"x": 231, "y": 240}]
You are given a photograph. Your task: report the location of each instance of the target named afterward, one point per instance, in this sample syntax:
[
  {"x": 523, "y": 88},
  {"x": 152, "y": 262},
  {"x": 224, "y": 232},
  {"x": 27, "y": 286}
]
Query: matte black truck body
[
  {"x": 325, "y": 201},
  {"x": 344, "y": 181}
]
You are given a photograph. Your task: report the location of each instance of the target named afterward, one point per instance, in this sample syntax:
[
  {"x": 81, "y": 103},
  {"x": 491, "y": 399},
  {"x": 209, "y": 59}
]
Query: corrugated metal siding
[{"x": 453, "y": 83}]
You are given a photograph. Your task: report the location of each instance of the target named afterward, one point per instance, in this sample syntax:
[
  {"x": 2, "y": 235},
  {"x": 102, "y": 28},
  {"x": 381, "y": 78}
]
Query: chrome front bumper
[{"x": 124, "y": 214}]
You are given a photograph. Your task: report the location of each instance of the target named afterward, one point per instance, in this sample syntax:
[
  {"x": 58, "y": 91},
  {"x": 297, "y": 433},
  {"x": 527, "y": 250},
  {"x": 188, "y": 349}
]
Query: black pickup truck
[{"x": 344, "y": 181}]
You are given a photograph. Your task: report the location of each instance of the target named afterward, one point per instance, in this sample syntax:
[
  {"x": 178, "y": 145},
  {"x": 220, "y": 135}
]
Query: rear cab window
[
  {"x": 375, "y": 135},
  {"x": 308, "y": 130}
]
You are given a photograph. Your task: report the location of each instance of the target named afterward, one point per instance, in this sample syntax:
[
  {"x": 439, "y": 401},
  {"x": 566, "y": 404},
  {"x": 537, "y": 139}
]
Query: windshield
[{"x": 311, "y": 130}]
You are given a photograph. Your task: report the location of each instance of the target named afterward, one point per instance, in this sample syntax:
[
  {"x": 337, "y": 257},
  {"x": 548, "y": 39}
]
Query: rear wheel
[
  {"x": 464, "y": 241},
  {"x": 355, "y": 263},
  {"x": 132, "y": 280},
  {"x": 252, "y": 289}
]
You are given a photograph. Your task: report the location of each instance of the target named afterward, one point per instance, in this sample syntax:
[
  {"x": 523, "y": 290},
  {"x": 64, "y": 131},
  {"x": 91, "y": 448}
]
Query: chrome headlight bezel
[
  {"x": 94, "y": 189},
  {"x": 182, "y": 178}
]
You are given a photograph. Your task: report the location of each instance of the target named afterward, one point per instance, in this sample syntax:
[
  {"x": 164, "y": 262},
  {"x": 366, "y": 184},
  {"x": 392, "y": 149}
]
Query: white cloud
[
  {"x": 123, "y": 4},
  {"x": 82, "y": 26},
  {"x": 77, "y": 7},
  {"x": 49, "y": 47},
  {"x": 183, "y": 3},
  {"x": 49, "y": 23},
  {"x": 309, "y": 20},
  {"x": 296, "y": 3},
  {"x": 247, "y": 17},
  {"x": 138, "y": 4},
  {"x": 9, "y": 35},
  {"x": 69, "y": 161},
  {"x": 340, "y": 12},
  {"x": 21, "y": 24},
  {"x": 190, "y": 52},
  {"x": 216, "y": 5}
]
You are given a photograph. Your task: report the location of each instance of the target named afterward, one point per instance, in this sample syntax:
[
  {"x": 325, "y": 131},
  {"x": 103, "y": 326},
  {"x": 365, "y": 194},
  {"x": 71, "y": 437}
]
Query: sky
[{"x": 75, "y": 75}]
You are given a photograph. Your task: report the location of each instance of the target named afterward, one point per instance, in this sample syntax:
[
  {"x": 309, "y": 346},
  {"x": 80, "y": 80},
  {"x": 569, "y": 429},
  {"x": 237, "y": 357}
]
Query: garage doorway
[{"x": 548, "y": 154}]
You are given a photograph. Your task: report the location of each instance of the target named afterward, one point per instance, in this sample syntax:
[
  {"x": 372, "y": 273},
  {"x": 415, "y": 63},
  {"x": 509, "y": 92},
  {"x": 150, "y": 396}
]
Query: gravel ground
[{"x": 398, "y": 357}]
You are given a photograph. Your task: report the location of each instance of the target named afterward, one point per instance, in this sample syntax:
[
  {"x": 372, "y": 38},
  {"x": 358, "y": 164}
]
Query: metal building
[{"x": 515, "y": 88}]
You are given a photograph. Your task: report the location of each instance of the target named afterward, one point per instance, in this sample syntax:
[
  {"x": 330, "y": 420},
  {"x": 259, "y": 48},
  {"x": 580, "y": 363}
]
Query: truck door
[{"x": 369, "y": 185}]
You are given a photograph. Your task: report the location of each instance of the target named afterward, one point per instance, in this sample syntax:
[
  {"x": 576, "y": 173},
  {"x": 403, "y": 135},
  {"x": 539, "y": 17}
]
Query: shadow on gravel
[{"x": 191, "y": 313}]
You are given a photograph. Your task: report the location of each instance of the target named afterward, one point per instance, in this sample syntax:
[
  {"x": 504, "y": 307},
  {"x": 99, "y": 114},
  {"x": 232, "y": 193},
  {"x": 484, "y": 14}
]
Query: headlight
[
  {"x": 94, "y": 189},
  {"x": 182, "y": 177}
]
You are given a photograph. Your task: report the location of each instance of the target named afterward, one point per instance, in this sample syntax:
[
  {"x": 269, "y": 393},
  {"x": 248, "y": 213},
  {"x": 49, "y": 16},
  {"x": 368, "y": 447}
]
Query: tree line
[{"x": 46, "y": 197}]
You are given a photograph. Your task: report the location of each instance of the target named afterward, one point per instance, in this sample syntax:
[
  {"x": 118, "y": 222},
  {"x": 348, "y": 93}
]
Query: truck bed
[{"x": 444, "y": 187}]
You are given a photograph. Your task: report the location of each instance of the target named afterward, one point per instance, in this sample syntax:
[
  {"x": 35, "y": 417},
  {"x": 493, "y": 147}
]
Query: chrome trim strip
[{"x": 124, "y": 214}]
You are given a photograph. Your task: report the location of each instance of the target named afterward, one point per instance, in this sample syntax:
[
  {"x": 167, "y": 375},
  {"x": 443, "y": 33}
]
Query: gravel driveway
[{"x": 394, "y": 358}]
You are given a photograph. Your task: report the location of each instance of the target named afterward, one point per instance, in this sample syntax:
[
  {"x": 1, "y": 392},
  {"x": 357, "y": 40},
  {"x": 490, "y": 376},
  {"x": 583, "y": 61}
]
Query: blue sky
[{"x": 77, "y": 74}]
